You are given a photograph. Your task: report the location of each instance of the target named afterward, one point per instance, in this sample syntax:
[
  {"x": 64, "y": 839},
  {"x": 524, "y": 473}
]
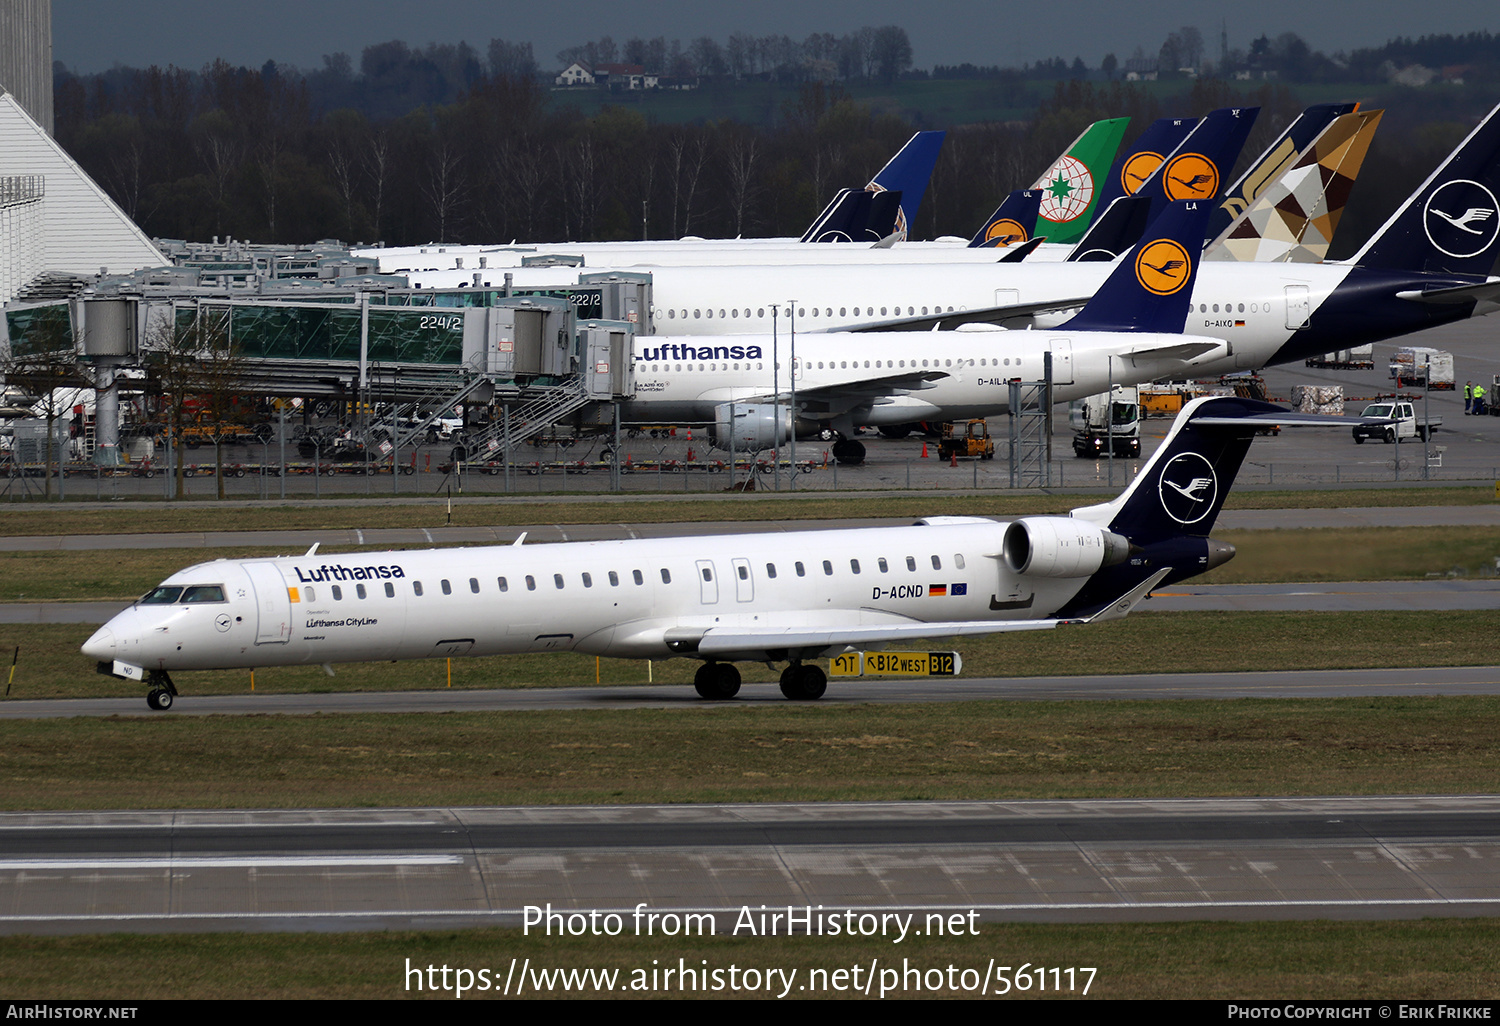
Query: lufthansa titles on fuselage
[
  {"x": 340, "y": 572},
  {"x": 676, "y": 351}
]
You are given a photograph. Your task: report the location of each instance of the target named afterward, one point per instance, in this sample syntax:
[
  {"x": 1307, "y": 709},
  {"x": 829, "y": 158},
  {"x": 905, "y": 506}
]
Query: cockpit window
[
  {"x": 203, "y": 593},
  {"x": 161, "y": 596}
]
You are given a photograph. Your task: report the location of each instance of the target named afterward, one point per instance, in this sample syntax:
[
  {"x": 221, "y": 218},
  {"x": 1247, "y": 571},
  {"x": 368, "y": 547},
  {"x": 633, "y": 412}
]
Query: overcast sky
[{"x": 94, "y": 35}]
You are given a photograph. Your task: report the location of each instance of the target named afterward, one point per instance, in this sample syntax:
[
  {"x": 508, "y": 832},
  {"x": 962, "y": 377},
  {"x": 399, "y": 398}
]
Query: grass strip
[
  {"x": 937, "y": 751},
  {"x": 150, "y": 517},
  {"x": 1428, "y": 959},
  {"x": 51, "y": 666}
]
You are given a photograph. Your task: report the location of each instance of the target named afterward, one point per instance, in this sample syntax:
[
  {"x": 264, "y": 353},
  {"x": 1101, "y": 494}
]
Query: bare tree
[{"x": 44, "y": 362}]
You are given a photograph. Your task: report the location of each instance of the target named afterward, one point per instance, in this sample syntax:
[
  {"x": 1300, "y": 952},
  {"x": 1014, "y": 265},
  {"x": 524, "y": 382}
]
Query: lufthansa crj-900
[{"x": 774, "y": 597}]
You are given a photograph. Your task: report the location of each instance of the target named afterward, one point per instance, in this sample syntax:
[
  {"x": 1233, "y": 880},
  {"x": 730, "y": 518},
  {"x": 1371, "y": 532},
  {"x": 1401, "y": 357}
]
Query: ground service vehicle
[
  {"x": 966, "y": 440},
  {"x": 1407, "y": 423},
  {"x": 1109, "y": 417}
]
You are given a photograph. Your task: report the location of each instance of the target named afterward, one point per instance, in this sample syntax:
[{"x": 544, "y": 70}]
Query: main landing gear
[
  {"x": 717, "y": 681},
  {"x": 162, "y": 692},
  {"x": 803, "y": 682}
]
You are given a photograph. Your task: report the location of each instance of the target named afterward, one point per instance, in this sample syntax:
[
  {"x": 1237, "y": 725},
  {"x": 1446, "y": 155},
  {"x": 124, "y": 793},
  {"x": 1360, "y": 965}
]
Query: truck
[
  {"x": 1113, "y": 416},
  {"x": 969, "y": 440},
  {"x": 1407, "y": 424},
  {"x": 1413, "y": 366},
  {"x": 1358, "y": 358}
]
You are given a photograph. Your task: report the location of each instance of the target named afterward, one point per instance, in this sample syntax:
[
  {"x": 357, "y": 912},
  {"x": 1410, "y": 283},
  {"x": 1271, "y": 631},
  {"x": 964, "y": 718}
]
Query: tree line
[{"x": 249, "y": 153}]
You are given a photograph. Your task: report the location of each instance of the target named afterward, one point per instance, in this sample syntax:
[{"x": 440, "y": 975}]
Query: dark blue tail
[
  {"x": 1137, "y": 164},
  {"x": 1152, "y": 286},
  {"x": 1277, "y": 158},
  {"x": 1169, "y": 509},
  {"x": 1451, "y": 224},
  {"x": 1113, "y": 232},
  {"x": 1198, "y": 168},
  {"x": 856, "y": 216},
  {"x": 1012, "y": 223},
  {"x": 908, "y": 173}
]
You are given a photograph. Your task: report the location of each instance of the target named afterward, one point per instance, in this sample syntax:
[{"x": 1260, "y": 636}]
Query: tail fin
[
  {"x": 908, "y": 173},
  {"x": 1136, "y": 165},
  {"x": 1152, "y": 287},
  {"x": 1294, "y": 217},
  {"x": 1271, "y": 164},
  {"x": 1450, "y": 225},
  {"x": 1011, "y": 223},
  {"x": 856, "y": 216},
  {"x": 1196, "y": 169},
  {"x": 1071, "y": 186},
  {"x": 1170, "y": 507},
  {"x": 1113, "y": 232}
]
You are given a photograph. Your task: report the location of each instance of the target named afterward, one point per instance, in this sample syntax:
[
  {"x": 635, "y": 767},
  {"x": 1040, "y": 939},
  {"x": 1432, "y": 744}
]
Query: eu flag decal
[{"x": 959, "y": 589}]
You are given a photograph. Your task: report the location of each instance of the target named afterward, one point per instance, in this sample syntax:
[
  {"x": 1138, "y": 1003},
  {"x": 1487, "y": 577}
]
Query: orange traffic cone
[
  {"x": 924, "y": 450},
  {"x": 953, "y": 458},
  {"x": 690, "y": 454}
]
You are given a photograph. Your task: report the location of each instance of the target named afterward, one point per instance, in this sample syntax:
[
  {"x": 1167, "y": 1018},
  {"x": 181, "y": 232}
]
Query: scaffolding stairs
[
  {"x": 438, "y": 403},
  {"x": 1031, "y": 434},
  {"x": 532, "y": 416}
]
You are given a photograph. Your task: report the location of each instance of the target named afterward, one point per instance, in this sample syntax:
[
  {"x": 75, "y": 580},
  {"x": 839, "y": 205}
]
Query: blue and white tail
[
  {"x": 1169, "y": 509},
  {"x": 1451, "y": 224}
]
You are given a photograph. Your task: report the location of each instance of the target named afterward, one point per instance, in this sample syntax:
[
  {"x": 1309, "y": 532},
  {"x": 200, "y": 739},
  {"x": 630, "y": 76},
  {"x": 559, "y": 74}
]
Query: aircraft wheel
[
  {"x": 159, "y": 698},
  {"x": 849, "y": 452},
  {"x": 717, "y": 681},
  {"x": 803, "y": 683},
  {"x": 895, "y": 431}
]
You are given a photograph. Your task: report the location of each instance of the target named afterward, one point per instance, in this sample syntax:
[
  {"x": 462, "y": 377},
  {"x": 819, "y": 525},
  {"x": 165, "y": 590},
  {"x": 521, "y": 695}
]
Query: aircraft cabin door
[
  {"x": 708, "y": 584},
  {"x": 1062, "y": 361},
  {"x": 1298, "y": 307},
  {"x": 744, "y": 584},
  {"x": 273, "y": 604}
]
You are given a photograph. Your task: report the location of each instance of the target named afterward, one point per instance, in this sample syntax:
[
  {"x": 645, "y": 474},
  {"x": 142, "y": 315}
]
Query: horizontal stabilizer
[{"x": 1483, "y": 290}]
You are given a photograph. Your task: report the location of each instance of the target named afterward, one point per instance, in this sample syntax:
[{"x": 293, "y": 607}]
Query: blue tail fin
[
  {"x": 1113, "y": 232},
  {"x": 1152, "y": 286},
  {"x": 1136, "y": 165},
  {"x": 908, "y": 173},
  {"x": 1170, "y": 507},
  {"x": 1012, "y": 223},
  {"x": 1277, "y": 158},
  {"x": 1197, "y": 169},
  {"x": 1451, "y": 224},
  {"x": 856, "y": 216}
]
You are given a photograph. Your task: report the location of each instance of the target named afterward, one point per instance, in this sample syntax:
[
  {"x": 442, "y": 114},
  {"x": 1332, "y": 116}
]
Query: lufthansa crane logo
[
  {"x": 1190, "y": 176},
  {"x": 1460, "y": 218},
  {"x": 1005, "y": 232},
  {"x": 1188, "y": 487},
  {"x": 1162, "y": 267},
  {"x": 1137, "y": 169},
  {"x": 900, "y": 230}
]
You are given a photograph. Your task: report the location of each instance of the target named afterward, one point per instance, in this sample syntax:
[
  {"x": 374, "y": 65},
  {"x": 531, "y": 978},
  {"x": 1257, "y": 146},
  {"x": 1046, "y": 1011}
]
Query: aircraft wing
[
  {"x": 949, "y": 321},
  {"x": 835, "y": 399},
  {"x": 716, "y": 641}
]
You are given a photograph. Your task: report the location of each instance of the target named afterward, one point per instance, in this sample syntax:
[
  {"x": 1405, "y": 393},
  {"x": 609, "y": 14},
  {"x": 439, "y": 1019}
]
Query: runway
[
  {"x": 1087, "y": 861},
  {"x": 1429, "y": 681}
]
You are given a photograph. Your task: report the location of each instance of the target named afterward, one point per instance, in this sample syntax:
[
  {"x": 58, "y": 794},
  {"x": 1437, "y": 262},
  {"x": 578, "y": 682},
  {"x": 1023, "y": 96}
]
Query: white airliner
[
  {"x": 777, "y": 597},
  {"x": 1425, "y": 267}
]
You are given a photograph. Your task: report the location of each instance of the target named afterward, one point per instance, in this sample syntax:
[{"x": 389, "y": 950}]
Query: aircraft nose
[{"x": 101, "y": 646}]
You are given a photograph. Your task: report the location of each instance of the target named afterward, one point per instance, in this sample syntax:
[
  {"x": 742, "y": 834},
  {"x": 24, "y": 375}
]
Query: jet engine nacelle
[
  {"x": 1060, "y": 547},
  {"x": 753, "y": 426}
]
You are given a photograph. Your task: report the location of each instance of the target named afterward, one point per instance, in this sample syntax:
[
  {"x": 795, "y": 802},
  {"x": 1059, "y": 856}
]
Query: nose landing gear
[{"x": 162, "y": 692}]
